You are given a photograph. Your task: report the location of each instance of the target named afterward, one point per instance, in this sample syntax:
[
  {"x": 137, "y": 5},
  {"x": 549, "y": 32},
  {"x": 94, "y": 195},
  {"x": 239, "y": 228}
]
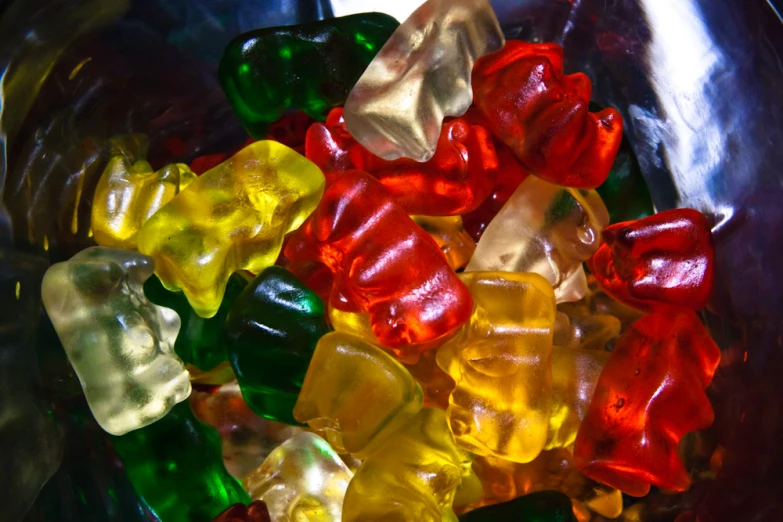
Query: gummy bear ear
[{"x": 96, "y": 278}]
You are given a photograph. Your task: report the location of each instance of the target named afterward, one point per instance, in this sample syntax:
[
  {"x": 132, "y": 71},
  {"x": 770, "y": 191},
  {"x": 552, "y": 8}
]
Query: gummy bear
[
  {"x": 543, "y": 115},
  {"x": 500, "y": 362},
  {"x": 200, "y": 341},
  {"x": 413, "y": 476},
  {"x": 421, "y": 75},
  {"x": 551, "y": 470},
  {"x": 663, "y": 259},
  {"x": 546, "y": 229},
  {"x": 247, "y": 438},
  {"x": 119, "y": 343},
  {"x": 176, "y": 467},
  {"x": 128, "y": 194},
  {"x": 231, "y": 218},
  {"x": 382, "y": 262},
  {"x": 451, "y": 237},
  {"x": 575, "y": 374},
  {"x": 457, "y": 179},
  {"x": 650, "y": 394},
  {"x": 345, "y": 375},
  {"x": 271, "y": 332},
  {"x": 302, "y": 480},
  {"x": 311, "y": 66}
]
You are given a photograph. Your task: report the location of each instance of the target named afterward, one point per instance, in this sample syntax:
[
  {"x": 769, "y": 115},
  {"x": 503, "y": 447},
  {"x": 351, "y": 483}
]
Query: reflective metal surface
[{"x": 699, "y": 82}]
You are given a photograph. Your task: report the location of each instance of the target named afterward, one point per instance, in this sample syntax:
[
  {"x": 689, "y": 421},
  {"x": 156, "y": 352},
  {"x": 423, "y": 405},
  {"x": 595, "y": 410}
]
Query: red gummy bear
[
  {"x": 457, "y": 179},
  {"x": 255, "y": 512},
  {"x": 650, "y": 394},
  {"x": 382, "y": 262},
  {"x": 510, "y": 175},
  {"x": 666, "y": 258},
  {"x": 543, "y": 114}
]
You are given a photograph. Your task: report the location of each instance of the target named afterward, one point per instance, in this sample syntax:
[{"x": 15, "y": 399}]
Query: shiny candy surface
[
  {"x": 311, "y": 66},
  {"x": 649, "y": 395},
  {"x": 176, "y": 467},
  {"x": 551, "y": 470},
  {"x": 543, "y": 114},
  {"x": 271, "y": 333},
  {"x": 346, "y": 375},
  {"x": 546, "y": 229},
  {"x": 413, "y": 476},
  {"x": 421, "y": 75},
  {"x": 451, "y": 237},
  {"x": 382, "y": 263},
  {"x": 302, "y": 480},
  {"x": 575, "y": 374},
  {"x": 232, "y": 217},
  {"x": 119, "y": 343},
  {"x": 128, "y": 194},
  {"x": 247, "y": 439},
  {"x": 664, "y": 259},
  {"x": 457, "y": 179},
  {"x": 200, "y": 341},
  {"x": 500, "y": 362}
]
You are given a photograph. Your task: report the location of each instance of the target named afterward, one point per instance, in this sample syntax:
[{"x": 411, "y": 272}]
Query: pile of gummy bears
[{"x": 380, "y": 301}]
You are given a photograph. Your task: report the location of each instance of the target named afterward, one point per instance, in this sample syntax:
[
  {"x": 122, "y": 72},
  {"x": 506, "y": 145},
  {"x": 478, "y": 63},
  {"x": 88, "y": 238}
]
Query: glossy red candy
[
  {"x": 542, "y": 114},
  {"x": 457, "y": 179},
  {"x": 650, "y": 394},
  {"x": 666, "y": 258},
  {"x": 255, "y": 512},
  {"x": 382, "y": 263}
]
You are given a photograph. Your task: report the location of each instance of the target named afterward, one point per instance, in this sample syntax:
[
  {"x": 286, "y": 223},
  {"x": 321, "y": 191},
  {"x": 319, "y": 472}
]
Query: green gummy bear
[
  {"x": 311, "y": 67},
  {"x": 541, "y": 506},
  {"x": 271, "y": 333},
  {"x": 200, "y": 341},
  {"x": 176, "y": 467}
]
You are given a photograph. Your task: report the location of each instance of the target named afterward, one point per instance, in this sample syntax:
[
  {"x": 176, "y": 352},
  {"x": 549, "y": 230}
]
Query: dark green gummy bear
[
  {"x": 200, "y": 341},
  {"x": 541, "y": 506},
  {"x": 311, "y": 67},
  {"x": 176, "y": 467},
  {"x": 271, "y": 334}
]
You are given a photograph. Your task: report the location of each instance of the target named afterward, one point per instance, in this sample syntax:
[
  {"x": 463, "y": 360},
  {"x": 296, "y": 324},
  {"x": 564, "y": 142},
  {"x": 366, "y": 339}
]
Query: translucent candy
[
  {"x": 501, "y": 364},
  {"x": 355, "y": 394},
  {"x": 414, "y": 476},
  {"x": 232, "y": 217},
  {"x": 546, "y": 229},
  {"x": 421, "y": 75},
  {"x": 302, "y": 480},
  {"x": 128, "y": 194},
  {"x": 119, "y": 343}
]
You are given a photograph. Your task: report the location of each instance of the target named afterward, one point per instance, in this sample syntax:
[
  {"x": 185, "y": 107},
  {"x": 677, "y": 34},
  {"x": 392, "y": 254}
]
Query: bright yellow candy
[
  {"x": 500, "y": 361},
  {"x": 231, "y": 218},
  {"x": 575, "y": 373},
  {"x": 355, "y": 394},
  {"x": 128, "y": 194},
  {"x": 452, "y": 238},
  {"x": 413, "y": 476}
]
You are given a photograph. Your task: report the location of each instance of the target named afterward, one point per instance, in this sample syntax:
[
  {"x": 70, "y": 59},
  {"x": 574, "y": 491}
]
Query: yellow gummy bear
[
  {"x": 233, "y": 217},
  {"x": 500, "y": 362},
  {"x": 575, "y": 373},
  {"x": 128, "y": 194},
  {"x": 413, "y": 476},
  {"x": 355, "y": 394}
]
